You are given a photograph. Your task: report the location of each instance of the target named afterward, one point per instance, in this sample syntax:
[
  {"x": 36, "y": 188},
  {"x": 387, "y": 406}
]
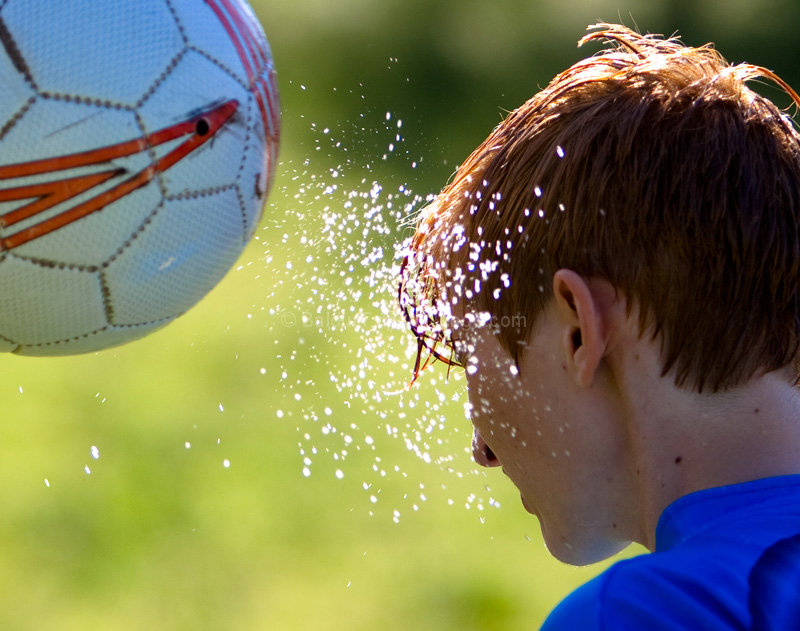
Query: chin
[{"x": 580, "y": 550}]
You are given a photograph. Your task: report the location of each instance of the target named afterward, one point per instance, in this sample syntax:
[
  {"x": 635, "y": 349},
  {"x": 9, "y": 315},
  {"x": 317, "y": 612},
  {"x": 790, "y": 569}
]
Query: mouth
[
  {"x": 527, "y": 506},
  {"x": 481, "y": 452}
]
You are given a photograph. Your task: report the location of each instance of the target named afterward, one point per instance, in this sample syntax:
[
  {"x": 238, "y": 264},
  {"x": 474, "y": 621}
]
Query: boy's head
[{"x": 651, "y": 166}]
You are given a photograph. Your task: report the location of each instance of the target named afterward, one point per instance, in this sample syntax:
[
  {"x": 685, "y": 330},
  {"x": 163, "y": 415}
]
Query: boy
[{"x": 618, "y": 268}]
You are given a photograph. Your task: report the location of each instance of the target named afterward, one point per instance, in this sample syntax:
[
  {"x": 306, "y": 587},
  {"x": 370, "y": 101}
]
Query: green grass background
[{"x": 282, "y": 369}]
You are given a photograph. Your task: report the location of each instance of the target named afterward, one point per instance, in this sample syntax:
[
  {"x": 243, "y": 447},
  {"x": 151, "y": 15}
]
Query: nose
[{"x": 481, "y": 452}]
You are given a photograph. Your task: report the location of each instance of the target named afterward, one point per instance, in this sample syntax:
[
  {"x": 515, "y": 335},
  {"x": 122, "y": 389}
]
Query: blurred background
[{"x": 259, "y": 464}]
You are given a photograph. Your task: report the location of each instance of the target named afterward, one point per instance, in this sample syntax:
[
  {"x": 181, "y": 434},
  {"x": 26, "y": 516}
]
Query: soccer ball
[{"x": 138, "y": 140}]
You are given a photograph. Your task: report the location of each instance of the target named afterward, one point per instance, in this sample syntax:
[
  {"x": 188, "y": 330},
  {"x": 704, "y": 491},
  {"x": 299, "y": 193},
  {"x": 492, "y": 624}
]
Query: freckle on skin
[
  {"x": 678, "y": 460},
  {"x": 756, "y": 411}
]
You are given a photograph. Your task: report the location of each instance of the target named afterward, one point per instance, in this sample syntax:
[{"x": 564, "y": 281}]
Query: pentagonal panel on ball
[
  {"x": 42, "y": 305},
  {"x": 186, "y": 249},
  {"x": 67, "y": 135},
  {"x": 194, "y": 86},
  {"x": 228, "y": 32},
  {"x": 53, "y": 128},
  {"x": 96, "y": 49}
]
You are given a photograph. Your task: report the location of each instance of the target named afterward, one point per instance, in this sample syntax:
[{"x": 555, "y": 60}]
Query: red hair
[{"x": 651, "y": 165}]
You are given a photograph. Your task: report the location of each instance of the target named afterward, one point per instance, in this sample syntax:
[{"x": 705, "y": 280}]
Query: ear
[{"x": 584, "y": 333}]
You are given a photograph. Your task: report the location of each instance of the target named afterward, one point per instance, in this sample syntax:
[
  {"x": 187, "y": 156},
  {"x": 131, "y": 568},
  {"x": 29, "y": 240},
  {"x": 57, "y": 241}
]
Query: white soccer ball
[{"x": 138, "y": 140}]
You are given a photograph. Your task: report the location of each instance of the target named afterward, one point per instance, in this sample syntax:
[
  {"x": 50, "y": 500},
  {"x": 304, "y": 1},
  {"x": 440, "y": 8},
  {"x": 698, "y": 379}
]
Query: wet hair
[{"x": 651, "y": 165}]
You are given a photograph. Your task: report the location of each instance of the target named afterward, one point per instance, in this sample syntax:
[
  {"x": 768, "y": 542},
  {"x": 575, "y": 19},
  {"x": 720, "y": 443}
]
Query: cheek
[
  {"x": 481, "y": 411},
  {"x": 491, "y": 380},
  {"x": 479, "y": 387},
  {"x": 497, "y": 398},
  {"x": 496, "y": 414}
]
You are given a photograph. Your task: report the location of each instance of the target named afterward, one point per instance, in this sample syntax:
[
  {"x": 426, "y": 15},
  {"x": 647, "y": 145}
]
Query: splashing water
[{"x": 333, "y": 240}]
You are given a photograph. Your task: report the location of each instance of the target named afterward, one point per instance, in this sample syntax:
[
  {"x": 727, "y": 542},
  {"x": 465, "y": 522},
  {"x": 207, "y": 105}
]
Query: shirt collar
[{"x": 698, "y": 512}]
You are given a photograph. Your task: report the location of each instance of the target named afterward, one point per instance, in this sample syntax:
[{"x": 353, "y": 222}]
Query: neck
[{"x": 683, "y": 442}]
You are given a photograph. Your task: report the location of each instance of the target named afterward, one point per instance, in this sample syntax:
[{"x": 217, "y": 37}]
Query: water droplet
[{"x": 95, "y": 452}]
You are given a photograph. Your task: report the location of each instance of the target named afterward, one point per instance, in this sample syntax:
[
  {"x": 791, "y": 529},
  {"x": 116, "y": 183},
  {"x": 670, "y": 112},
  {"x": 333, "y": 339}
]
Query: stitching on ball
[
  {"x": 16, "y": 117},
  {"x": 162, "y": 77}
]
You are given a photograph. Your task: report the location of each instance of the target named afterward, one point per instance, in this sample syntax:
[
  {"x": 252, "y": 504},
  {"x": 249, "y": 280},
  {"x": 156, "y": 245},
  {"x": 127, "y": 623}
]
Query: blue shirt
[{"x": 707, "y": 544}]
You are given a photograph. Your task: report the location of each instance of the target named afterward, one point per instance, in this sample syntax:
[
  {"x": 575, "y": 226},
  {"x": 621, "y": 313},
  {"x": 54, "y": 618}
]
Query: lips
[
  {"x": 527, "y": 507},
  {"x": 481, "y": 452}
]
